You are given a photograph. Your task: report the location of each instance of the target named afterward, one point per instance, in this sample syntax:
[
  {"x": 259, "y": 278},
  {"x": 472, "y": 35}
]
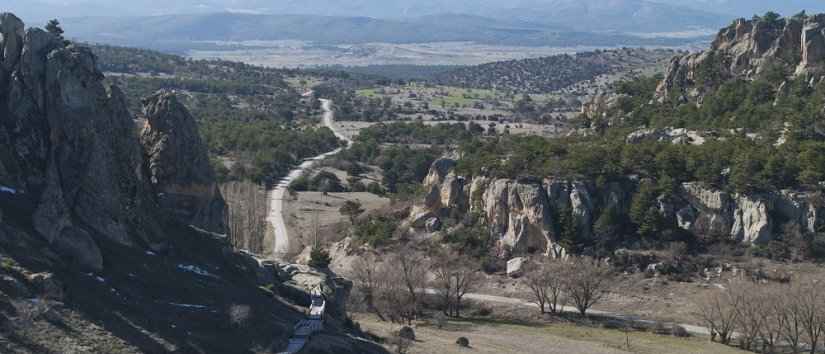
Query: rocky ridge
[
  {"x": 70, "y": 151},
  {"x": 747, "y": 48},
  {"x": 523, "y": 214}
]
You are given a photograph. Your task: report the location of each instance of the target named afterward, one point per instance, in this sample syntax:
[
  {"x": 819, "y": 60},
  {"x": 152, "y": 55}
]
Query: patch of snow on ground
[
  {"x": 5, "y": 189},
  {"x": 196, "y": 270},
  {"x": 189, "y": 306}
]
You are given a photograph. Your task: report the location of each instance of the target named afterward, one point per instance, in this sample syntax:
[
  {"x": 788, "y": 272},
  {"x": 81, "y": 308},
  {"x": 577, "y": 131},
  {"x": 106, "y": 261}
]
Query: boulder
[
  {"x": 47, "y": 285},
  {"x": 515, "y": 267},
  {"x": 433, "y": 224}
]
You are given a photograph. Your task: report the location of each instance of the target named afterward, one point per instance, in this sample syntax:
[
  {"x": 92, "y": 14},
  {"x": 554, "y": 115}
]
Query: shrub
[
  {"x": 407, "y": 333},
  {"x": 319, "y": 258},
  {"x": 662, "y": 329},
  {"x": 679, "y": 331},
  {"x": 463, "y": 342}
]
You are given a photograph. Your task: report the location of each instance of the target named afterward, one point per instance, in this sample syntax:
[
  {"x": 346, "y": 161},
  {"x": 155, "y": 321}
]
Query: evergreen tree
[
  {"x": 568, "y": 230},
  {"x": 319, "y": 258},
  {"x": 54, "y": 28}
]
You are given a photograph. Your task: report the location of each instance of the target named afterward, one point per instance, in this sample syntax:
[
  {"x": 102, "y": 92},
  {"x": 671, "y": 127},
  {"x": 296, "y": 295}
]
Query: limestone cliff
[
  {"x": 523, "y": 214},
  {"x": 746, "y": 49}
]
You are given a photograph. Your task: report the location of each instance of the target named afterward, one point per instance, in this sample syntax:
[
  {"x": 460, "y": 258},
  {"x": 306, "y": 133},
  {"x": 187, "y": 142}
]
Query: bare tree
[
  {"x": 718, "y": 311},
  {"x": 811, "y": 299},
  {"x": 749, "y": 300},
  {"x": 247, "y": 210},
  {"x": 413, "y": 269},
  {"x": 586, "y": 283},
  {"x": 367, "y": 275},
  {"x": 455, "y": 276},
  {"x": 771, "y": 310},
  {"x": 546, "y": 282},
  {"x": 789, "y": 315}
]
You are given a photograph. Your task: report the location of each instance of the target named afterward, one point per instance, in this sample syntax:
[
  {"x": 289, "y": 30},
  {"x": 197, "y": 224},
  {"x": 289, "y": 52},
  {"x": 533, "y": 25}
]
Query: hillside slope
[{"x": 547, "y": 74}]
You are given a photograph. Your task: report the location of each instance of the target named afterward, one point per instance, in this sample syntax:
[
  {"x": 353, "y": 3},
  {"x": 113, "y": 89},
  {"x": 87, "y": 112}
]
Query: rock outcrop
[
  {"x": 68, "y": 148},
  {"x": 746, "y": 49},
  {"x": 178, "y": 164},
  {"x": 523, "y": 215}
]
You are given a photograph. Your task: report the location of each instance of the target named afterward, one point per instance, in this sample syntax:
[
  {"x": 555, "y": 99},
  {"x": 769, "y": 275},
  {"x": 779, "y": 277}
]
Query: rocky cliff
[
  {"x": 523, "y": 214},
  {"x": 103, "y": 239},
  {"x": 70, "y": 153},
  {"x": 748, "y": 48},
  {"x": 178, "y": 164}
]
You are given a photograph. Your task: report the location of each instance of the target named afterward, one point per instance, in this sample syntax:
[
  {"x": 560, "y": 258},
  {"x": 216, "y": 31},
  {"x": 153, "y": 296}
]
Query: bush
[
  {"x": 661, "y": 329},
  {"x": 463, "y": 342},
  {"x": 319, "y": 258},
  {"x": 679, "y": 331},
  {"x": 407, "y": 333}
]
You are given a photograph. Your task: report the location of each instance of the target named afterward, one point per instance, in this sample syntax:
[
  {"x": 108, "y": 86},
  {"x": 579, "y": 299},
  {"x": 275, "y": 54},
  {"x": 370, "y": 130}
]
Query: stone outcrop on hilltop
[
  {"x": 69, "y": 150},
  {"x": 523, "y": 214},
  {"x": 746, "y": 49},
  {"x": 178, "y": 164}
]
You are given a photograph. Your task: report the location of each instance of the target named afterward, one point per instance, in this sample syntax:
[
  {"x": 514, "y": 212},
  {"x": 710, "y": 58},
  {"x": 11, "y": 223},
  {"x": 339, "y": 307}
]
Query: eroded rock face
[
  {"x": 178, "y": 164},
  {"x": 523, "y": 215},
  {"x": 745, "y": 49},
  {"x": 68, "y": 148}
]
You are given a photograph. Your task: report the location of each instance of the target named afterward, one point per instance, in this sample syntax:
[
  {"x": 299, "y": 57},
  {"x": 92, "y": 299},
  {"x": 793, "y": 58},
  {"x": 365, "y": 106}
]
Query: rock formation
[
  {"x": 69, "y": 150},
  {"x": 745, "y": 49},
  {"x": 523, "y": 214},
  {"x": 178, "y": 164}
]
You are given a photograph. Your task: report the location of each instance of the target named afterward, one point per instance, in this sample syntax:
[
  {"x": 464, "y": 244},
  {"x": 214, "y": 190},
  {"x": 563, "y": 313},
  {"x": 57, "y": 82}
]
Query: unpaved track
[{"x": 276, "y": 196}]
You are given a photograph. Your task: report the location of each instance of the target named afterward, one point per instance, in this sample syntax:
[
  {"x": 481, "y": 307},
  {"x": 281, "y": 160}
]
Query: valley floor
[{"x": 489, "y": 336}]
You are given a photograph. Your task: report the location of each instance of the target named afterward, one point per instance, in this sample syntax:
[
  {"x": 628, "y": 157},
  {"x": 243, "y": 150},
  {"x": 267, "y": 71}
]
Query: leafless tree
[
  {"x": 748, "y": 298},
  {"x": 247, "y": 210},
  {"x": 811, "y": 306},
  {"x": 413, "y": 271},
  {"x": 718, "y": 311},
  {"x": 367, "y": 275},
  {"x": 586, "y": 283},
  {"x": 455, "y": 276},
  {"x": 546, "y": 282},
  {"x": 789, "y": 315},
  {"x": 771, "y": 310}
]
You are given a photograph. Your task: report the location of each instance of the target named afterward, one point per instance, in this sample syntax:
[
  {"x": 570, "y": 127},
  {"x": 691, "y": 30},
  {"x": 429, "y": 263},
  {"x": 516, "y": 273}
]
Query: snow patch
[
  {"x": 196, "y": 270},
  {"x": 189, "y": 306},
  {"x": 5, "y": 189}
]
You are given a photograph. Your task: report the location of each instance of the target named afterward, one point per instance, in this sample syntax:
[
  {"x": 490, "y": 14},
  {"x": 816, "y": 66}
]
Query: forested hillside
[{"x": 548, "y": 74}]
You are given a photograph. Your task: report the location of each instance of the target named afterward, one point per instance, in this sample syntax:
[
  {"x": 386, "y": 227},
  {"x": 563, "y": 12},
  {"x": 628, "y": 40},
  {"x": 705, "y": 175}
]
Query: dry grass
[{"x": 495, "y": 337}]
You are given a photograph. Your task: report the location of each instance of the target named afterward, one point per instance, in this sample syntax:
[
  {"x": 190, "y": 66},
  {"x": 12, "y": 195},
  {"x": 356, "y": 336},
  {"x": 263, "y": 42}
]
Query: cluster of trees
[
  {"x": 581, "y": 282},
  {"x": 143, "y": 61},
  {"x": 735, "y": 163},
  {"x": 766, "y": 317},
  {"x": 247, "y": 209},
  {"x": 395, "y": 289},
  {"x": 547, "y": 74},
  {"x": 264, "y": 150}
]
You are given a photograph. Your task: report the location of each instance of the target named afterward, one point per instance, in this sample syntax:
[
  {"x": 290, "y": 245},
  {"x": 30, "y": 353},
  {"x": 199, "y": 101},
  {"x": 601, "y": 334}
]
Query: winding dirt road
[{"x": 276, "y": 195}]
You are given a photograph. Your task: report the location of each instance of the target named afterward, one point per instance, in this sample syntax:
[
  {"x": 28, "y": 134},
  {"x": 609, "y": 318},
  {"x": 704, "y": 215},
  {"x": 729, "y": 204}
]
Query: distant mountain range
[
  {"x": 200, "y": 31},
  {"x": 516, "y": 22},
  {"x": 577, "y": 15}
]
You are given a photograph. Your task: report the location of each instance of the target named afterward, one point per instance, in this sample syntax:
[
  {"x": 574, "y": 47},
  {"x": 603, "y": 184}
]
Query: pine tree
[
  {"x": 54, "y": 28},
  {"x": 319, "y": 258},
  {"x": 568, "y": 230}
]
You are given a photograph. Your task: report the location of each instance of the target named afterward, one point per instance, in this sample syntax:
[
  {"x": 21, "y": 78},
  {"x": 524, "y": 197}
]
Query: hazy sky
[{"x": 41, "y": 9}]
